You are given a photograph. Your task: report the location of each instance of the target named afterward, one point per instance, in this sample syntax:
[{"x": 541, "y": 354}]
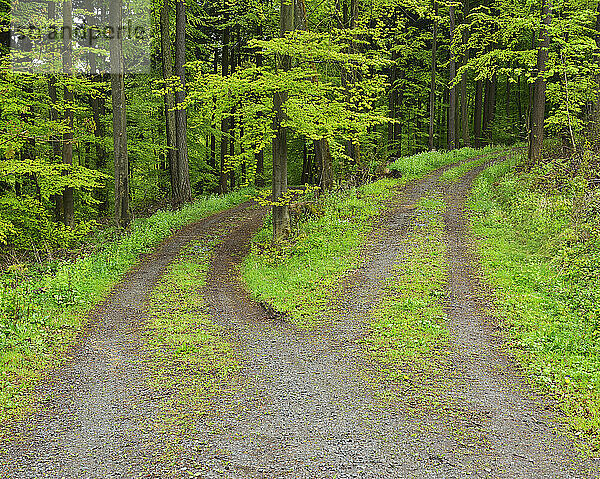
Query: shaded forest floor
[{"x": 221, "y": 388}]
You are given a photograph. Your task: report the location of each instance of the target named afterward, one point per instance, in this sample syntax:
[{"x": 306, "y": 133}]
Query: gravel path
[{"x": 310, "y": 404}]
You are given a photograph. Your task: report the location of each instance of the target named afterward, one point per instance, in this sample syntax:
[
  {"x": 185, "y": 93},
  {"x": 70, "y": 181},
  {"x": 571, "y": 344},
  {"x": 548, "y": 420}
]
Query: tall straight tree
[
  {"x": 225, "y": 119},
  {"x": 432, "y": 80},
  {"x": 167, "y": 67},
  {"x": 281, "y": 214},
  {"x": 538, "y": 106},
  {"x": 321, "y": 146},
  {"x": 67, "y": 147},
  {"x": 117, "y": 83},
  {"x": 452, "y": 90},
  {"x": 464, "y": 114},
  {"x": 184, "y": 191}
]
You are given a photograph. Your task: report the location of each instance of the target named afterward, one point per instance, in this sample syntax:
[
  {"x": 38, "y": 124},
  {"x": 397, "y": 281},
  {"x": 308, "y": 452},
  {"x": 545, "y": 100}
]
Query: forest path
[
  {"x": 309, "y": 404},
  {"x": 315, "y": 405}
]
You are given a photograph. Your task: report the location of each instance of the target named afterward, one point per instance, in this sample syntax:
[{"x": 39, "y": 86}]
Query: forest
[
  {"x": 345, "y": 87},
  {"x": 430, "y": 167}
]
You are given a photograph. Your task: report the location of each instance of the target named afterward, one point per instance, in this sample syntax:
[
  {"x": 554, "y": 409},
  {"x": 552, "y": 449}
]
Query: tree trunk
[
  {"x": 539, "y": 96},
  {"x": 464, "y": 100},
  {"x": 478, "y": 107},
  {"x": 432, "y": 81},
  {"x": 225, "y": 119},
  {"x": 322, "y": 153},
  {"x": 281, "y": 216},
  {"x": 122, "y": 211},
  {"x": 259, "y": 157},
  {"x": 452, "y": 91},
  {"x": 67, "y": 148},
  {"x": 323, "y": 159},
  {"x": 184, "y": 189},
  {"x": 170, "y": 128}
]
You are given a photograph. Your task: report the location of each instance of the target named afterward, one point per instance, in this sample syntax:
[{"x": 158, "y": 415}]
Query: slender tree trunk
[
  {"x": 432, "y": 80},
  {"x": 232, "y": 64},
  {"x": 232, "y": 147},
  {"x": 57, "y": 199},
  {"x": 122, "y": 211},
  {"x": 56, "y": 144},
  {"x": 225, "y": 119},
  {"x": 305, "y": 164},
  {"x": 464, "y": 99},
  {"x": 519, "y": 105},
  {"x": 322, "y": 152},
  {"x": 67, "y": 149},
  {"x": 281, "y": 216},
  {"x": 399, "y": 114},
  {"x": 184, "y": 190},
  {"x": 170, "y": 128},
  {"x": 478, "y": 107},
  {"x": 539, "y": 97},
  {"x": 259, "y": 157},
  {"x": 490, "y": 106},
  {"x": 452, "y": 91}
]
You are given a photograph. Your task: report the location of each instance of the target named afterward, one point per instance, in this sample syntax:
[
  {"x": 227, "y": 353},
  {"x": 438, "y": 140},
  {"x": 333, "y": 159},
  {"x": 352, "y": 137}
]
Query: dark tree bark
[
  {"x": 122, "y": 210},
  {"x": 321, "y": 146},
  {"x": 432, "y": 80},
  {"x": 464, "y": 100},
  {"x": 281, "y": 216},
  {"x": 259, "y": 179},
  {"x": 67, "y": 147},
  {"x": 323, "y": 159},
  {"x": 225, "y": 119},
  {"x": 538, "y": 107},
  {"x": 184, "y": 189},
  {"x": 305, "y": 178},
  {"x": 519, "y": 104},
  {"x": 489, "y": 106},
  {"x": 55, "y": 140},
  {"x": 478, "y": 107},
  {"x": 452, "y": 90},
  {"x": 170, "y": 128}
]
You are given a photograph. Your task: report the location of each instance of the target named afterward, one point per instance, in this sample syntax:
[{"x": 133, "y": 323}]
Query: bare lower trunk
[
  {"x": 539, "y": 96},
  {"x": 432, "y": 80},
  {"x": 184, "y": 190},
  {"x": 281, "y": 217},
  {"x": 122, "y": 211},
  {"x": 167, "y": 67},
  {"x": 67, "y": 147},
  {"x": 478, "y": 107},
  {"x": 452, "y": 91}
]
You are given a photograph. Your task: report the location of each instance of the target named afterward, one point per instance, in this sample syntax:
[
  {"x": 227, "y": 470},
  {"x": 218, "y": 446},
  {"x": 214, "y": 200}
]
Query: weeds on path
[{"x": 42, "y": 309}]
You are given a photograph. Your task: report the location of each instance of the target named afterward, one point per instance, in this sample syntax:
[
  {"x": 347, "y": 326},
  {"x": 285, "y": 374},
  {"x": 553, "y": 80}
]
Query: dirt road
[{"x": 309, "y": 404}]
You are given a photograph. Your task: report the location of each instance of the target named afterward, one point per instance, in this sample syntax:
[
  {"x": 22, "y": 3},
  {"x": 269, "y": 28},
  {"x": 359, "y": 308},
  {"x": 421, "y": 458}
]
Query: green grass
[
  {"x": 409, "y": 322},
  {"x": 454, "y": 174},
  {"x": 418, "y": 165},
  {"x": 300, "y": 277},
  {"x": 188, "y": 356},
  {"x": 41, "y": 311},
  {"x": 538, "y": 253}
]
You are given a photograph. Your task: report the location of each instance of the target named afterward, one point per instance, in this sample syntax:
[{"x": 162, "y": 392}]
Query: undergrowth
[
  {"x": 418, "y": 165},
  {"x": 456, "y": 173},
  {"x": 43, "y": 306},
  {"x": 301, "y": 275},
  {"x": 540, "y": 248}
]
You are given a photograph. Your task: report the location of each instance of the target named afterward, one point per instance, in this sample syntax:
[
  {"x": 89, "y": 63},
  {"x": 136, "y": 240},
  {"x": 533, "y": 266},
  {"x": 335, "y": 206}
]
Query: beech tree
[
  {"x": 236, "y": 88},
  {"x": 117, "y": 74},
  {"x": 281, "y": 215}
]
